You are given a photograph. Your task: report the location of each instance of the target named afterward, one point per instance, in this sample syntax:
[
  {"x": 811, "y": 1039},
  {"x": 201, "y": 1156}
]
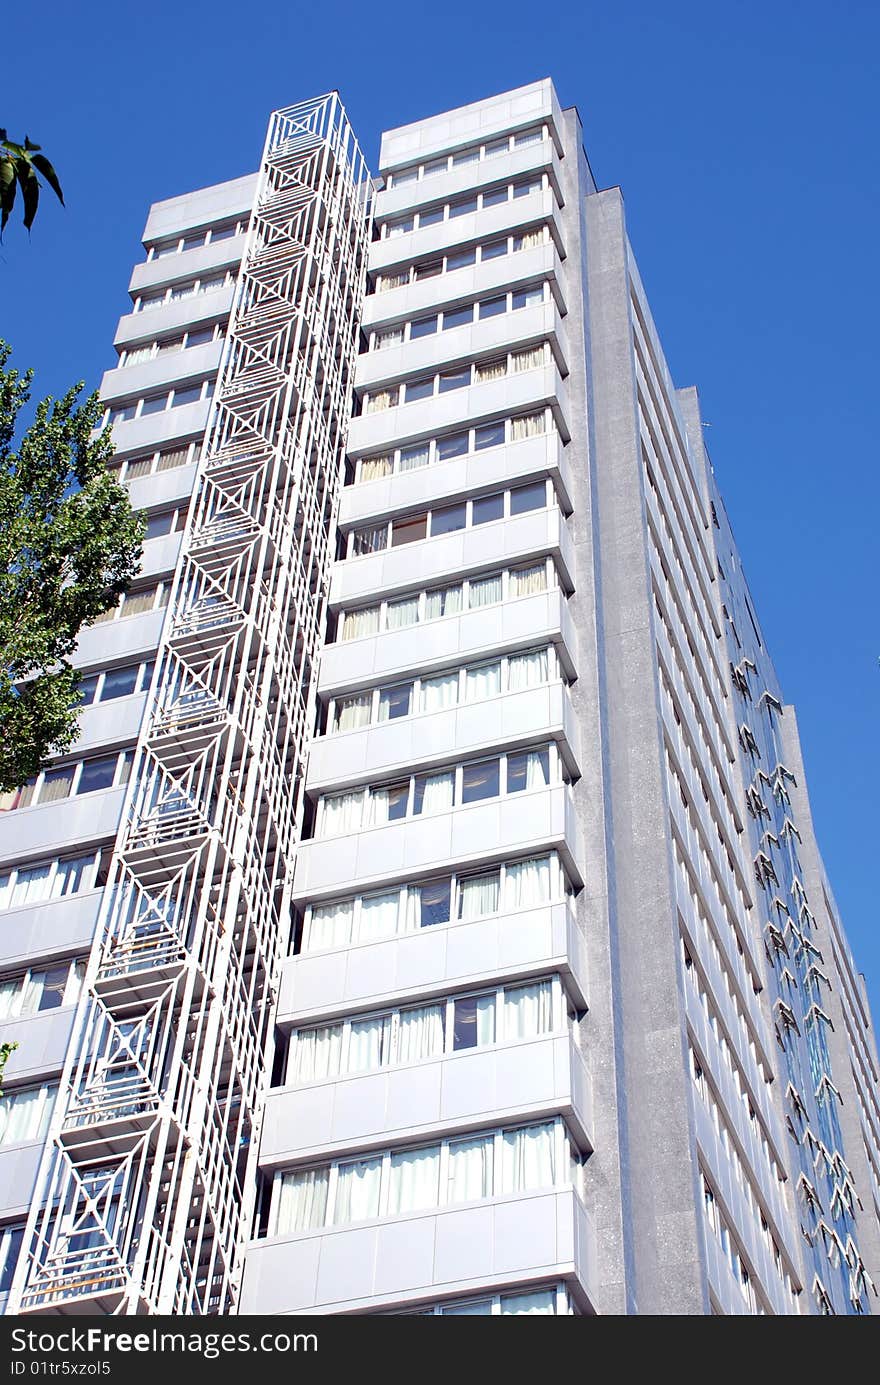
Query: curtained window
[
  {"x": 357, "y": 1191},
  {"x": 471, "y": 1169},
  {"x": 330, "y": 925},
  {"x": 528, "y": 670},
  {"x": 437, "y": 693},
  {"x": 478, "y": 895},
  {"x": 402, "y": 613},
  {"x": 352, "y": 712},
  {"x": 420, "y": 1033},
  {"x": 318, "y": 1053},
  {"x": 358, "y": 624},
  {"x": 378, "y": 918},
  {"x": 527, "y": 1011},
  {"x": 529, "y": 770},
  {"x": 528, "y": 1158},
  {"x": 302, "y": 1202},
  {"x": 434, "y": 792},
  {"x": 444, "y": 601},
  {"x": 414, "y": 1180},
  {"x": 526, "y": 581},
  {"x": 484, "y": 591},
  {"x": 528, "y": 883},
  {"x": 481, "y": 682},
  {"x": 342, "y": 812}
]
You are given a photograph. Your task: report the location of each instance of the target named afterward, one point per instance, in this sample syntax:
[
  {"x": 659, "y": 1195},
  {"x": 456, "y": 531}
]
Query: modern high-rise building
[{"x": 429, "y": 918}]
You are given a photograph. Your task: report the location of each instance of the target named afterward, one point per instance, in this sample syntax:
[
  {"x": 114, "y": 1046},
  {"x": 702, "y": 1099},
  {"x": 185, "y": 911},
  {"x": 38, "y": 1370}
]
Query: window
[
  {"x": 455, "y": 379},
  {"x": 460, "y": 317},
  {"x": 191, "y": 394},
  {"x": 492, "y": 307},
  {"x": 432, "y": 903},
  {"x": 482, "y": 681},
  {"x": 527, "y": 581},
  {"x": 372, "y": 540},
  {"x": 433, "y": 793},
  {"x": 160, "y": 525},
  {"x": 55, "y": 879},
  {"x": 154, "y": 405},
  {"x": 526, "y": 298},
  {"x": 491, "y": 435},
  {"x": 10, "y": 1244},
  {"x": 40, "y": 989},
  {"x": 392, "y": 337},
  {"x": 487, "y": 508},
  {"x": 454, "y": 446},
  {"x": 463, "y": 208},
  {"x": 480, "y": 781},
  {"x": 494, "y": 197},
  {"x": 432, "y": 217},
  {"x": 412, "y": 458},
  {"x": 447, "y": 520},
  {"x": 409, "y": 530},
  {"x": 120, "y": 682},
  {"x": 530, "y": 770},
  {"x": 460, "y": 260},
  {"x": 396, "y": 1182},
  {"x": 523, "y": 189},
  {"x": 494, "y": 250},
  {"x": 418, "y": 389},
  {"x": 97, "y": 774},
  {"x": 25, "y": 1113},
  {"x": 352, "y": 712},
  {"x": 399, "y": 228},
  {"x": 531, "y": 497},
  {"x": 424, "y": 327},
  {"x": 473, "y": 1022},
  {"x": 395, "y": 702}
]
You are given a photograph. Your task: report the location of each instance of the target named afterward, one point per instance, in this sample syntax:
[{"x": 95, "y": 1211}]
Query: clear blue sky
[{"x": 745, "y": 139}]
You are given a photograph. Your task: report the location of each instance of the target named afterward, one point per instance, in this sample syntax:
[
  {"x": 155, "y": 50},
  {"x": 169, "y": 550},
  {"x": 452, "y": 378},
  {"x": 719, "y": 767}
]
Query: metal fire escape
[{"x": 144, "y": 1197}]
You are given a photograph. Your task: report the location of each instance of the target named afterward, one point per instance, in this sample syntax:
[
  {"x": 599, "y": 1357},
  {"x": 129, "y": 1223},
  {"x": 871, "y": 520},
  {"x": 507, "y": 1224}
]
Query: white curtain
[
  {"x": 537, "y": 769},
  {"x": 377, "y": 807},
  {"x": 413, "y": 458},
  {"x": 528, "y": 1010},
  {"x": 485, "y": 591},
  {"x": 525, "y": 581},
  {"x": 528, "y": 360},
  {"x": 478, "y": 896},
  {"x": 373, "y": 467},
  {"x": 471, "y": 1169},
  {"x": 357, "y": 624},
  {"x": 420, "y": 1033},
  {"x": 527, "y": 1158},
  {"x": 541, "y": 1301},
  {"x": 32, "y": 885},
  {"x": 342, "y": 812},
  {"x": 330, "y": 925},
  {"x": 415, "y": 1180},
  {"x": 377, "y": 402},
  {"x": 392, "y": 281},
  {"x": 353, "y": 712},
  {"x": 528, "y": 883},
  {"x": 71, "y": 876},
  {"x": 369, "y": 1044},
  {"x": 491, "y": 370},
  {"x": 527, "y": 426},
  {"x": 439, "y": 692},
  {"x": 32, "y": 992},
  {"x": 378, "y": 916},
  {"x": 393, "y": 337},
  {"x": 302, "y": 1201},
  {"x": 318, "y": 1053},
  {"x": 357, "y": 1191},
  {"x": 10, "y": 998},
  {"x": 437, "y": 792},
  {"x": 402, "y": 613},
  {"x": 528, "y": 670},
  {"x": 482, "y": 682},
  {"x": 444, "y": 602},
  {"x": 529, "y": 240},
  {"x": 25, "y": 1115}
]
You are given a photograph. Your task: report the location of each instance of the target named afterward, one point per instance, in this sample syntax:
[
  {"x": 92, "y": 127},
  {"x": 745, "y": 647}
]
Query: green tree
[
  {"x": 20, "y": 165},
  {"x": 69, "y": 547}
]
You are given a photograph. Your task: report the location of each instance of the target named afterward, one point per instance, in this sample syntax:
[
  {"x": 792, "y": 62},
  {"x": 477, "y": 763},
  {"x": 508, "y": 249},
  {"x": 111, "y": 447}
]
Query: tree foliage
[
  {"x": 69, "y": 547},
  {"x": 20, "y": 165}
]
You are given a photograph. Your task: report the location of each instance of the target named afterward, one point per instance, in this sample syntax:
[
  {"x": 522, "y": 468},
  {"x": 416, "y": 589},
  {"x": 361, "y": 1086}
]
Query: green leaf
[
  {"x": 8, "y": 186},
  {"x": 42, "y": 164},
  {"x": 30, "y": 192}
]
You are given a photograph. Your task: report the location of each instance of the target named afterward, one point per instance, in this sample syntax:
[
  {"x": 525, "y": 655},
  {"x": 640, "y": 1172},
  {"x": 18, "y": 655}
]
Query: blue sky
[{"x": 745, "y": 139}]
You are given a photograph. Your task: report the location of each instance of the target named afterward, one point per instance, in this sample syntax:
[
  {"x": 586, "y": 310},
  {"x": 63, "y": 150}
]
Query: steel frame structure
[{"x": 144, "y": 1199}]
